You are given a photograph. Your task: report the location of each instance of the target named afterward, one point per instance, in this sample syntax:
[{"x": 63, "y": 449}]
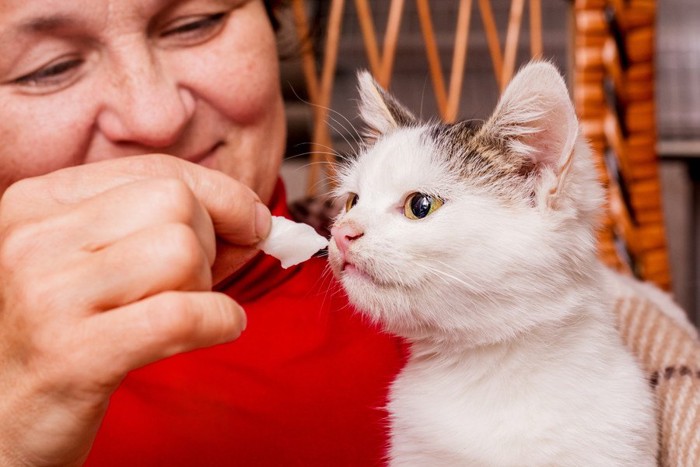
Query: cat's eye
[
  {"x": 420, "y": 205},
  {"x": 351, "y": 201}
]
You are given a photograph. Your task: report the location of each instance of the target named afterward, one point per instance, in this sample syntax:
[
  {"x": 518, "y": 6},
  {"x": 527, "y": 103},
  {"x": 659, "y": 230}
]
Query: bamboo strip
[
  {"x": 611, "y": 60},
  {"x": 616, "y": 140},
  {"x": 622, "y": 220},
  {"x": 459, "y": 59},
  {"x": 651, "y": 237},
  {"x": 591, "y": 22},
  {"x": 641, "y": 116},
  {"x": 391, "y": 36},
  {"x": 492, "y": 39},
  {"x": 433, "y": 55},
  {"x": 321, "y": 134},
  {"x": 618, "y": 6},
  {"x": 589, "y": 4},
  {"x": 511, "y": 46},
  {"x": 307, "y": 56},
  {"x": 369, "y": 36},
  {"x": 639, "y": 44},
  {"x": 639, "y": 15},
  {"x": 589, "y": 40},
  {"x": 536, "y": 28}
]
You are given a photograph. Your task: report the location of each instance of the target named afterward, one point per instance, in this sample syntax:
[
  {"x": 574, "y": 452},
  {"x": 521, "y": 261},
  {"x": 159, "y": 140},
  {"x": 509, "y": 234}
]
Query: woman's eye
[
  {"x": 52, "y": 73},
  {"x": 194, "y": 26},
  {"x": 351, "y": 201},
  {"x": 420, "y": 205}
]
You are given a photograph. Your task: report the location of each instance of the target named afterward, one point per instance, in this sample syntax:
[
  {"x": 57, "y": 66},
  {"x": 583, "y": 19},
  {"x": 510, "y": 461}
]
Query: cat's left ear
[
  {"x": 536, "y": 118},
  {"x": 380, "y": 111}
]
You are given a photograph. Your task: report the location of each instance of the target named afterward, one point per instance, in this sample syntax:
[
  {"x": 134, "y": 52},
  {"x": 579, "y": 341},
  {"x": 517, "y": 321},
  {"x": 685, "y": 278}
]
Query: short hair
[{"x": 271, "y": 7}]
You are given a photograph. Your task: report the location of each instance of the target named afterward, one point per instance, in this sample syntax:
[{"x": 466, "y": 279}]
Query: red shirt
[{"x": 306, "y": 383}]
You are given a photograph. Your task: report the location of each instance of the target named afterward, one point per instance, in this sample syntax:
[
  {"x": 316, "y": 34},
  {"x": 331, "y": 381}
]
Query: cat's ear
[
  {"x": 380, "y": 111},
  {"x": 536, "y": 118}
]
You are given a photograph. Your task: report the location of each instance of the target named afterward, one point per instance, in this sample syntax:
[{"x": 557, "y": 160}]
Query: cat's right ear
[{"x": 380, "y": 111}]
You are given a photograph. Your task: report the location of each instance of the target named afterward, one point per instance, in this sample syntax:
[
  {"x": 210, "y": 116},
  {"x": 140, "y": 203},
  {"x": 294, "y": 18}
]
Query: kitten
[{"x": 476, "y": 243}]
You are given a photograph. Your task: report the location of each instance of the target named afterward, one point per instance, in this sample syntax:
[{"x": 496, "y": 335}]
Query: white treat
[{"x": 292, "y": 242}]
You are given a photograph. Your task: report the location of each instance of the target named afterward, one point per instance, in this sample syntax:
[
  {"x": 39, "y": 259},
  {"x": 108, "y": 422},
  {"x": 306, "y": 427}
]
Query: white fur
[{"x": 514, "y": 357}]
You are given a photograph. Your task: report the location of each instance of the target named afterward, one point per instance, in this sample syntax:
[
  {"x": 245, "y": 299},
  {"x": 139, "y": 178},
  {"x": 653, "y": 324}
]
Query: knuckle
[
  {"x": 18, "y": 242},
  {"x": 34, "y": 295},
  {"x": 155, "y": 163},
  {"x": 182, "y": 248},
  {"x": 174, "y": 197},
  {"x": 18, "y": 191}
]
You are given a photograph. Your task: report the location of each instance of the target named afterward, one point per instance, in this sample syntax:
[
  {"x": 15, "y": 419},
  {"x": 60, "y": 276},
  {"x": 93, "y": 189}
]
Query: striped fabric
[{"x": 669, "y": 350}]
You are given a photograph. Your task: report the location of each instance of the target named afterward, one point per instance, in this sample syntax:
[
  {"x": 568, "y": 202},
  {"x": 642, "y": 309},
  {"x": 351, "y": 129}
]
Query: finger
[
  {"x": 150, "y": 261},
  {"x": 237, "y": 213},
  {"x": 158, "y": 327},
  {"x": 129, "y": 208}
]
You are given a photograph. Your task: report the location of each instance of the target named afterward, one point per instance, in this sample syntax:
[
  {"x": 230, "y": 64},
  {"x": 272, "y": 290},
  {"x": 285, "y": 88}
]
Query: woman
[{"x": 108, "y": 262}]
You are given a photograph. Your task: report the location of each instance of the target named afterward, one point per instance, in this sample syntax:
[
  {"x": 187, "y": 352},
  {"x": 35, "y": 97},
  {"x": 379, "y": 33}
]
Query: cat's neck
[
  {"x": 583, "y": 335},
  {"x": 579, "y": 306}
]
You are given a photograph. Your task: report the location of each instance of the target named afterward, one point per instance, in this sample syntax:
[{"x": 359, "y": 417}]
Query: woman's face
[{"x": 87, "y": 80}]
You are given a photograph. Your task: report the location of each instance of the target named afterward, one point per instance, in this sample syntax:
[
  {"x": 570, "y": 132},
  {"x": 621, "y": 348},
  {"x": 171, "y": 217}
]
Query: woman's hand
[{"x": 104, "y": 268}]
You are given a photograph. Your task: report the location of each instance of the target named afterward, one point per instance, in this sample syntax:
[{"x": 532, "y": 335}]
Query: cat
[{"x": 475, "y": 242}]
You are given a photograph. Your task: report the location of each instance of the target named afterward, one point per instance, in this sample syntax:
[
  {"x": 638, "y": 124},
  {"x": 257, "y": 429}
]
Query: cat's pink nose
[{"x": 344, "y": 234}]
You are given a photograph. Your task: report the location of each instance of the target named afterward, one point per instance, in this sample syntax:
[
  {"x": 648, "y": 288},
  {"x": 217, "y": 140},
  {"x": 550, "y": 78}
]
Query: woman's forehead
[{"x": 26, "y": 17}]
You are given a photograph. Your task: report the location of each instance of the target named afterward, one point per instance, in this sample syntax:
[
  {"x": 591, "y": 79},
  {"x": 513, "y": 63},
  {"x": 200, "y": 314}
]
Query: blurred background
[{"x": 676, "y": 82}]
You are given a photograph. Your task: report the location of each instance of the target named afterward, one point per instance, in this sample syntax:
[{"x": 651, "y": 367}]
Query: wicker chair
[{"x": 612, "y": 77}]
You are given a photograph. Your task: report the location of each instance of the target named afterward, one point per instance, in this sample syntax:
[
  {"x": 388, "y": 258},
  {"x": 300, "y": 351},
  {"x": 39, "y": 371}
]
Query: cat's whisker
[
  {"x": 460, "y": 278},
  {"x": 443, "y": 275},
  {"x": 342, "y": 134},
  {"x": 337, "y": 154},
  {"x": 327, "y": 276},
  {"x": 310, "y": 153},
  {"x": 314, "y": 163},
  {"x": 354, "y": 133}
]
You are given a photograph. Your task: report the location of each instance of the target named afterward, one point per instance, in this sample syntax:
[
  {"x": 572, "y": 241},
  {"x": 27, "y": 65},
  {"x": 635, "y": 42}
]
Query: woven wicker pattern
[
  {"x": 614, "y": 95},
  {"x": 669, "y": 351}
]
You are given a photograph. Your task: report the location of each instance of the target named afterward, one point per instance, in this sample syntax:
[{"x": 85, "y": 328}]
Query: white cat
[{"x": 476, "y": 243}]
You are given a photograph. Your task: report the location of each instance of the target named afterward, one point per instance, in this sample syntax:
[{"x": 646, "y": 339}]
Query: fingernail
[
  {"x": 244, "y": 320},
  {"x": 262, "y": 220}
]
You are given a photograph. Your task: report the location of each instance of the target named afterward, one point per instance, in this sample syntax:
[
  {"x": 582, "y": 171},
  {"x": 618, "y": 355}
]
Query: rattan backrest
[{"x": 612, "y": 87}]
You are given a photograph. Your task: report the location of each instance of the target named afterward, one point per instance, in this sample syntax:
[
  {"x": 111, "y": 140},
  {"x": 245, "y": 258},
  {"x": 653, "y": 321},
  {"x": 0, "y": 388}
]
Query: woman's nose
[
  {"x": 345, "y": 234},
  {"x": 144, "y": 104}
]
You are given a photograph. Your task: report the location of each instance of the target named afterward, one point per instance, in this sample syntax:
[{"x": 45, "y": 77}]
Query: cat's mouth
[
  {"x": 353, "y": 271},
  {"x": 349, "y": 268}
]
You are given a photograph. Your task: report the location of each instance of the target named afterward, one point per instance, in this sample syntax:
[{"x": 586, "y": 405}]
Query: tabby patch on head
[{"x": 441, "y": 212}]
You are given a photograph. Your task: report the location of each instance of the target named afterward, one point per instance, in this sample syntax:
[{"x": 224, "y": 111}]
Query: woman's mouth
[{"x": 208, "y": 158}]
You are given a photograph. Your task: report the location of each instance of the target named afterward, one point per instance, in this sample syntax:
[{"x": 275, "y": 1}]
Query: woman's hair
[{"x": 271, "y": 7}]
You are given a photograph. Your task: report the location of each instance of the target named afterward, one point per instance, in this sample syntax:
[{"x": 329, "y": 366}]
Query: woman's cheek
[
  {"x": 247, "y": 97},
  {"x": 243, "y": 68},
  {"x": 53, "y": 134}
]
